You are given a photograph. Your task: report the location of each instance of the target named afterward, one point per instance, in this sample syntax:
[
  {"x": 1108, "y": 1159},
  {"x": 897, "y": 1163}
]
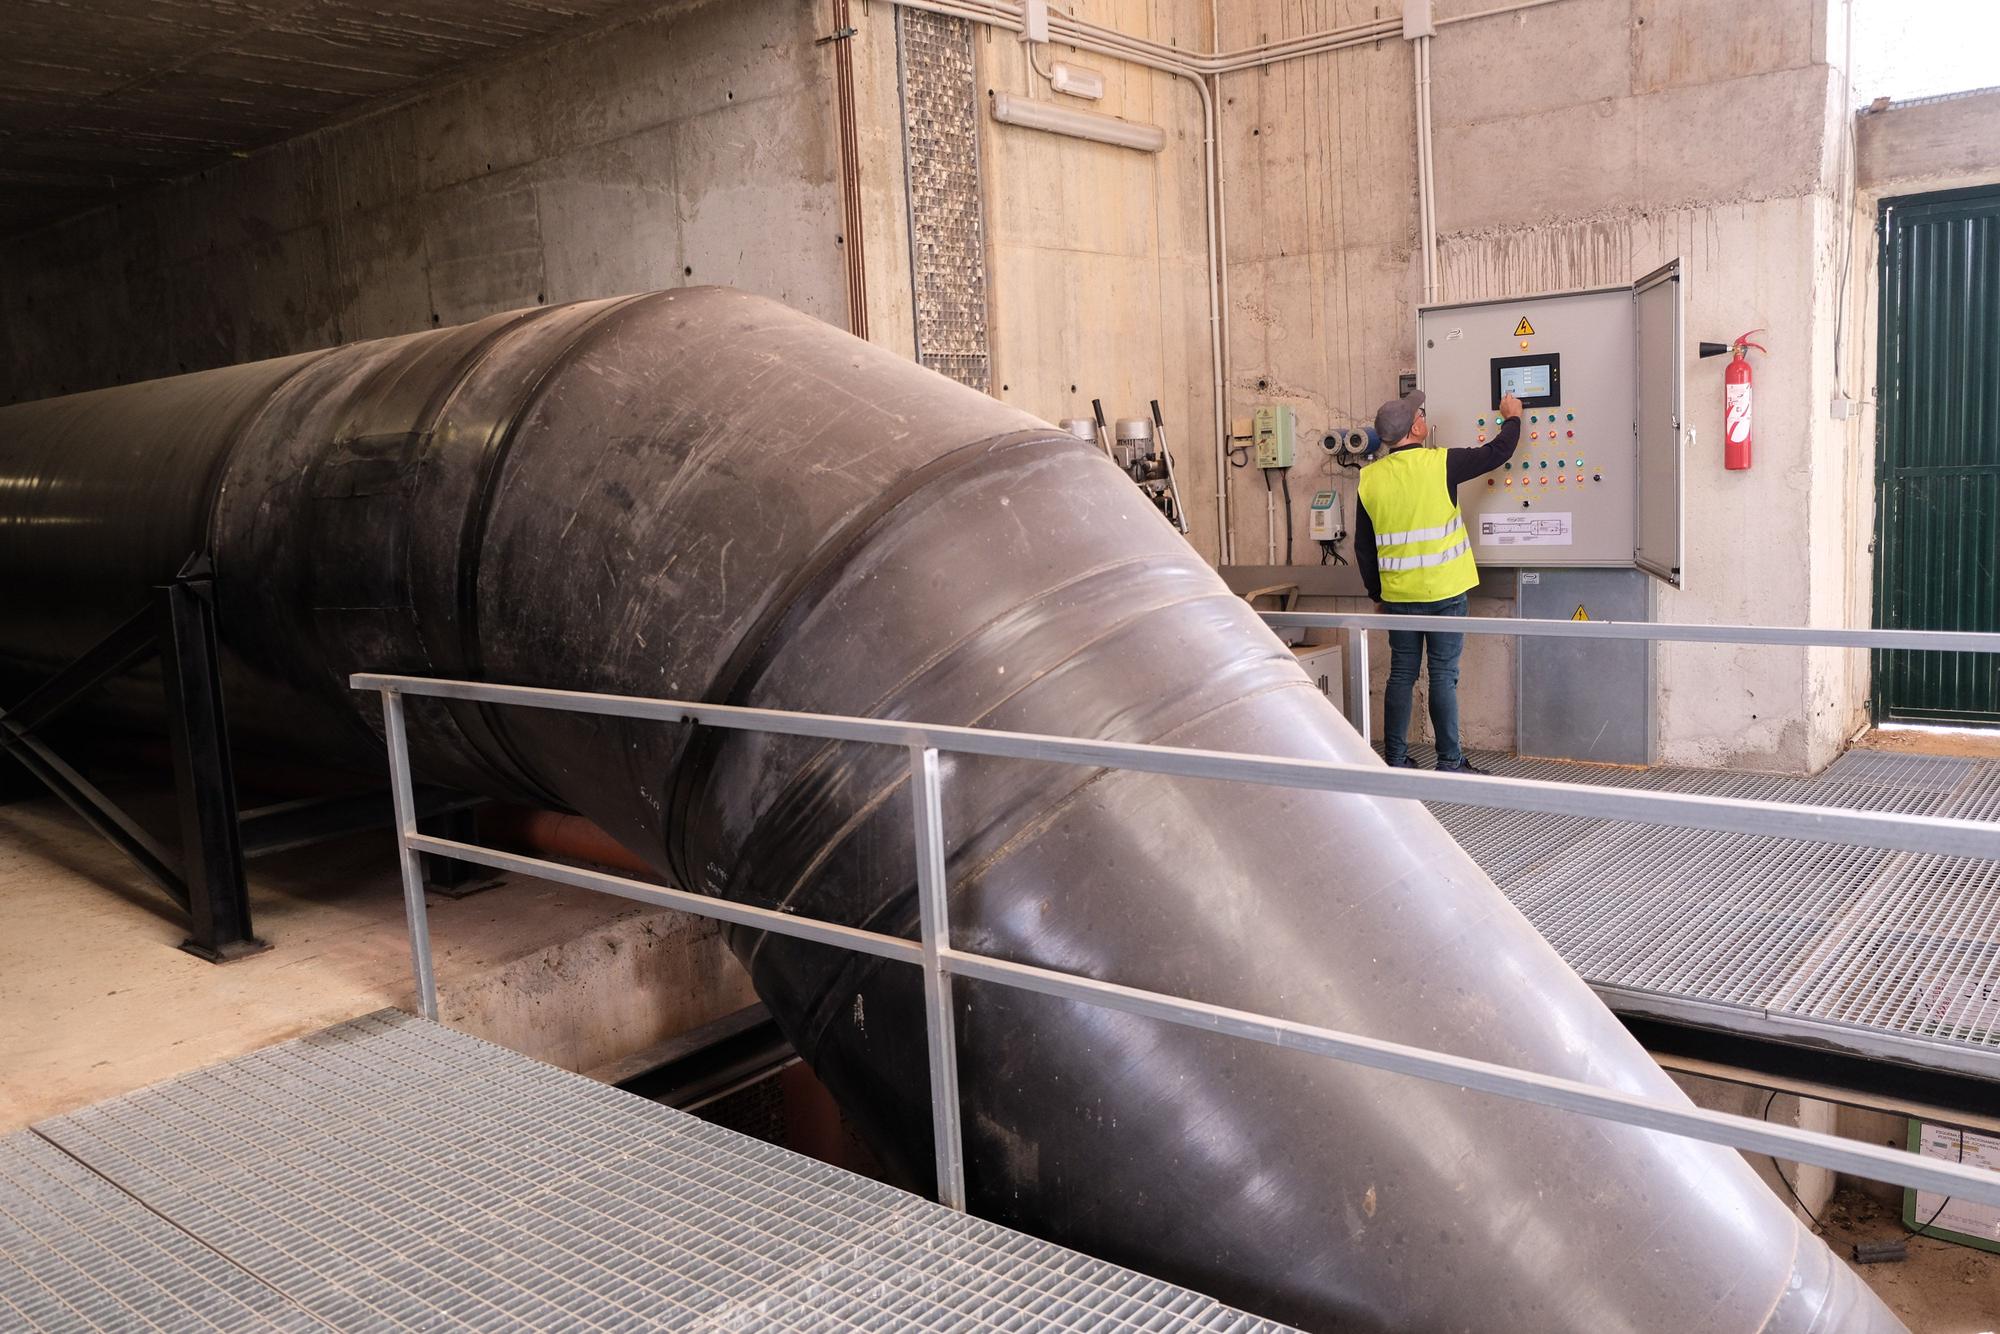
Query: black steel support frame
[
  {"x": 206, "y": 878},
  {"x": 204, "y": 779}
]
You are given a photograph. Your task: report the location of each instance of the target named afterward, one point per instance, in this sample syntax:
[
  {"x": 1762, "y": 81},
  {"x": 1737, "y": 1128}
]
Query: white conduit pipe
[
  {"x": 1231, "y": 61},
  {"x": 1426, "y": 191},
  {"x": 1197, "y": 68},
  {"x": 977, "y": 12}
]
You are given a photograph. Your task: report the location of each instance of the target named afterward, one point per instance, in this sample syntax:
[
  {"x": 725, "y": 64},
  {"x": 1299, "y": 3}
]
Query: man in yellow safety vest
[{"x": 1415, "y": 556}]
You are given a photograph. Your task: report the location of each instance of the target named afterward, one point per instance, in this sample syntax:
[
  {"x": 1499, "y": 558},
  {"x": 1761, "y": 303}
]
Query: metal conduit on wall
[{"x": 703, "y": 495}]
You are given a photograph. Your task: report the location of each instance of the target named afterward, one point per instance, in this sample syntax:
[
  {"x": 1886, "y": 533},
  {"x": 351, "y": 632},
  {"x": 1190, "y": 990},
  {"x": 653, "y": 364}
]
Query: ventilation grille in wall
[{"x": 947, "y": 225}]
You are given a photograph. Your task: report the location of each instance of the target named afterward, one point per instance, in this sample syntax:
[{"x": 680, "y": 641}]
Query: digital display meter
[{"x": 1536, "y": 380}]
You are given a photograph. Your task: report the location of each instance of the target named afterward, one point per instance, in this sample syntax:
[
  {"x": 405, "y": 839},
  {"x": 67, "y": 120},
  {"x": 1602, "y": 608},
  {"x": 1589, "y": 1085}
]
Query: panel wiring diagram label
[
  {"x": 1980, "y": 1222},
  {"x": 1524, "y": 530}
]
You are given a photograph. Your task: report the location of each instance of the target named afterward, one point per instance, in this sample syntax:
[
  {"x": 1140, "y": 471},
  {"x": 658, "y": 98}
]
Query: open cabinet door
[{"x": 1656, "y": 318}]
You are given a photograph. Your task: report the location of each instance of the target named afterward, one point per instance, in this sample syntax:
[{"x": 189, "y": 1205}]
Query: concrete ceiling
[{"x": 99, "y": 96}]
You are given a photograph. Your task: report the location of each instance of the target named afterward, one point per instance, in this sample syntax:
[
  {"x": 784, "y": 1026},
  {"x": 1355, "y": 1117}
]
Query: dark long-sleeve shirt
[{"x": 1460, "y": 465}]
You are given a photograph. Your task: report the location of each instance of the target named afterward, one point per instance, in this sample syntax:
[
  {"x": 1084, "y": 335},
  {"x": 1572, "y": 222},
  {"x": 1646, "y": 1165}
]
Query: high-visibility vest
[{"x": 1421, "y": 546}]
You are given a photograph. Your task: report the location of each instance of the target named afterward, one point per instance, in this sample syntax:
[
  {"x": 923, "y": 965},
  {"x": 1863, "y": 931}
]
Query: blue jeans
[{"x": 1407, "y": 649}]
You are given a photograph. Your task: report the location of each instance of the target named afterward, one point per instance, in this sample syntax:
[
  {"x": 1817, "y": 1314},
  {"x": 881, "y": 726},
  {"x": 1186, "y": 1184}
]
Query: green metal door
[{"x": 1937, "y": 477}]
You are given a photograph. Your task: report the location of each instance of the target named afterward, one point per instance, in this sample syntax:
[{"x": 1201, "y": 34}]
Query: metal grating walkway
[
  {"x": 1887, "y": 954},
  {"x": 392, "y": 1174}
]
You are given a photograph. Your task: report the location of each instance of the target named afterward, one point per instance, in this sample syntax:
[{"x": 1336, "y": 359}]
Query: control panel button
[{"x": 1597, "y": 477}]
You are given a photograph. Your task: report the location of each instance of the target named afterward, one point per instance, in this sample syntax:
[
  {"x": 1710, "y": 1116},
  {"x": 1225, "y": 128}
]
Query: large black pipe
[{"x": 701, "y": 494}]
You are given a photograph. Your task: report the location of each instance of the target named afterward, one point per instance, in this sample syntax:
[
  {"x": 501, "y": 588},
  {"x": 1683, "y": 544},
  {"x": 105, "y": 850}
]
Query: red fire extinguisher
[{"x": 1736, "y": 404}]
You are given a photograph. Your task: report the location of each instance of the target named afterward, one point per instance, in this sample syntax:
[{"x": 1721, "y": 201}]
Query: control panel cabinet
[{"x": 1596, "y": 479}]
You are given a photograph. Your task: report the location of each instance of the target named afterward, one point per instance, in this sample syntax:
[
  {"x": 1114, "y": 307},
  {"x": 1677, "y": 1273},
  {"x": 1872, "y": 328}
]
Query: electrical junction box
[
  {"x": 1596, "y": 479},
  {"x": 1324, "y": 525},
  {"x": 1274, "y": 431}
]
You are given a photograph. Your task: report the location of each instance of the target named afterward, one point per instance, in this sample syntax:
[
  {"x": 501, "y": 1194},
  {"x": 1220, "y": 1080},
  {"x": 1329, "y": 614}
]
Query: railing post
[
  {"x": 397, "y": 734},
  {"x": 933, "y": 915},
  {"x": 1355, "y": 660}
]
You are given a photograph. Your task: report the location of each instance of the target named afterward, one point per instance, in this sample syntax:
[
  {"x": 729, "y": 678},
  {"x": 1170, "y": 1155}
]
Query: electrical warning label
[
  {"x": 1524, "y": 530},
  {"x": 1523, "y": 329}
]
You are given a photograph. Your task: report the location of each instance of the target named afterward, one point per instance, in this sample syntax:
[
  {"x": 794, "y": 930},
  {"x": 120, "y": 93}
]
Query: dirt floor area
[
  {"x": 1942, "y": 1288},
  {"x": 1962, "y": 742}
]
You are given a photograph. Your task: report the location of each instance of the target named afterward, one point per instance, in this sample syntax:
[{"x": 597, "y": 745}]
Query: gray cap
[{"x": 1394, "y": 419}]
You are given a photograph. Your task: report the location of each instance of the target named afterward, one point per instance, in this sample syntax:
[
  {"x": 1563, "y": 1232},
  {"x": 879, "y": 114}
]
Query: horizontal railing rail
[
  {"x": 1932, "y": 641},
  {"x": 1355, "y": 625},
  {"x": 1881, "y": 829},
  {"x": 940, "y": 962}
]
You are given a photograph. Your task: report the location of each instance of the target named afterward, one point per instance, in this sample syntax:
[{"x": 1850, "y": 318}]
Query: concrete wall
[
  {"x": 1940, "y": 143},
  {"x": 1580, "y": 145},
  {"x": 1097, "y": 255},
  {"x": 691, "y": 145}
]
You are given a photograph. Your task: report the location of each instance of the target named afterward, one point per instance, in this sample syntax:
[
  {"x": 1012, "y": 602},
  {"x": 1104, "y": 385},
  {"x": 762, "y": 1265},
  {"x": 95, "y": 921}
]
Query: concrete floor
[{"x": 95, "y": 999}]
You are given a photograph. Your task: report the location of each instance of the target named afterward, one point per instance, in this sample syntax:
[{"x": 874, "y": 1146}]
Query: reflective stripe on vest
[{"x": 1421, "y": 546}]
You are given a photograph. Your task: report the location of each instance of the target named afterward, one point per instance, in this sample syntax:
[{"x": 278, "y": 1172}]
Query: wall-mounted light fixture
[{"x": 1010, "y": 109}]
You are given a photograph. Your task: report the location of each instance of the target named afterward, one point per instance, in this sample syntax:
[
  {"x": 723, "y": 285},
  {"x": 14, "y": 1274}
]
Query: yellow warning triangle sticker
[
  {"x": 1580, "y": 614},
  {"x": 1523, "y": 329}
]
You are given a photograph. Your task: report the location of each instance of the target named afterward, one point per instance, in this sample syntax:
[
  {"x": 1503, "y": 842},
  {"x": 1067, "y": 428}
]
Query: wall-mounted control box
[
  {"x": 1274, "y": 430},
  {"x": 1596, "y": 478},
  {"x": 1324, "y": 524}
]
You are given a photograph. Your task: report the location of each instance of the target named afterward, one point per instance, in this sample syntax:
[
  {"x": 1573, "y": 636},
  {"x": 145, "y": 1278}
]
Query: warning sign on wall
[
  {"x": 1523, "y": 329},
  {"x": 1579, "y": 614}
]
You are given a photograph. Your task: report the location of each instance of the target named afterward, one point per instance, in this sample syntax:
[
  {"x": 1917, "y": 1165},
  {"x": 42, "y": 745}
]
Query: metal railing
[
  {"x": 940, "y": 962},
  {"x": 1356, "y": 625}
]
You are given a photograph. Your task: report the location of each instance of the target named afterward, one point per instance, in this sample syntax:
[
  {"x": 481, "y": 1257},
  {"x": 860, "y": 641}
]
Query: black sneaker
[
  {"x": 1405, "y": 763},
  {"x": 1464, "y": 767}
]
